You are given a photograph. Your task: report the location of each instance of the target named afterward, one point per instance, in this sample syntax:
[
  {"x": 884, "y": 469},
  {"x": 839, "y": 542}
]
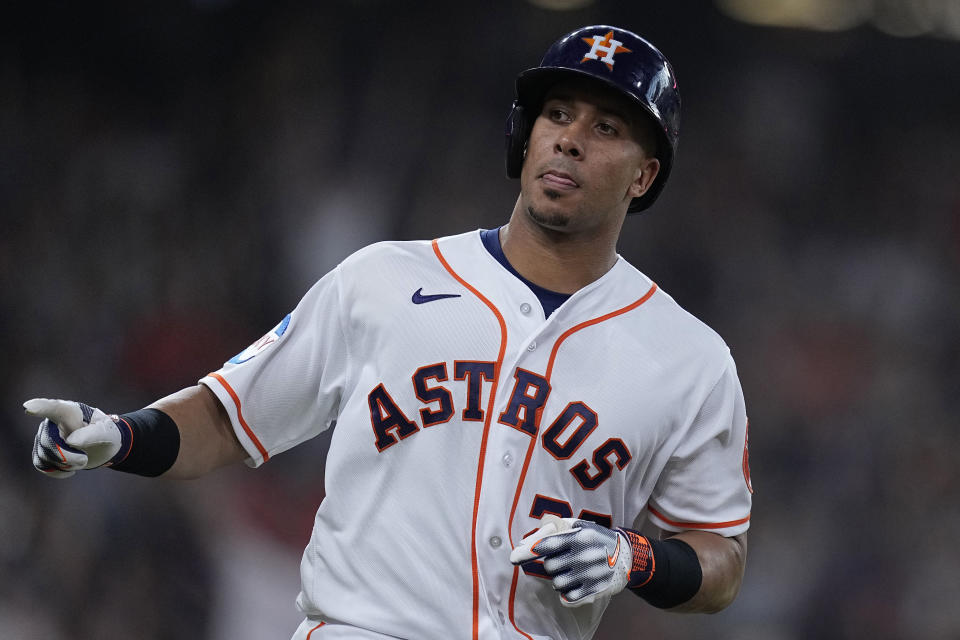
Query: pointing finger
[{"x": 65, "y": 413}]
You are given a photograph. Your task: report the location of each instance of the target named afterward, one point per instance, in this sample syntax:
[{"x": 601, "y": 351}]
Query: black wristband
[
  {"x": 150, "y": 442},
  {"x": 676, "y": 577}
]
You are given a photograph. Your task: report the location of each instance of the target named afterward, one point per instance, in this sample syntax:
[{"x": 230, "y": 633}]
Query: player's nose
[{"x": 570, "y": 141}]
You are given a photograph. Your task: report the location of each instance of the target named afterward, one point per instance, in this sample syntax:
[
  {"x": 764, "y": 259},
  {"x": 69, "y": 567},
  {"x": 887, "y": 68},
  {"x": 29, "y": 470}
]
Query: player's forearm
[
  {"x": 722, "y": 561},
  {"x": 207, "y": 440}
]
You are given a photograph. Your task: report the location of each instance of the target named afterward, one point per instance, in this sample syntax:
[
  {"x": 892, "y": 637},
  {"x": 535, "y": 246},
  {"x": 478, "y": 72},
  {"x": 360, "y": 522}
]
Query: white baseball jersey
[{"x": 463, "y": 416}]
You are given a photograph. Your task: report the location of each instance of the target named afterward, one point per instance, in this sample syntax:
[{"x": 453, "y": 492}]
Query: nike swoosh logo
[
  {"x": 612, "y": 560},
  {"x": 419, "y": 298}
]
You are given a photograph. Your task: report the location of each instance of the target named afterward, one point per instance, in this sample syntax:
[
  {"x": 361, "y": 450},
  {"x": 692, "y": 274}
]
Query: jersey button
[
  {"x": 525, "y": 309},
  {"x": 532, "y": 346},
  {"x": 507, "y": 459},
  {"x": 495, "y": 542}
]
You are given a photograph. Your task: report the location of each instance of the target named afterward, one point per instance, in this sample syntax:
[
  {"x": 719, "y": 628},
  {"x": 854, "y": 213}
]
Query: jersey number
[{"x": 542, "y": 505}]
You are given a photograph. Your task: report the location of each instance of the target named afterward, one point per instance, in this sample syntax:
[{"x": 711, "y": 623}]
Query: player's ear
[{"x": 646, "y": 174}]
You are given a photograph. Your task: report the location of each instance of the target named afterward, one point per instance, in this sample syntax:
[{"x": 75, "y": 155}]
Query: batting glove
[
  {"x": 585, "y": 560},
  {"x": 72, "y": 436}
]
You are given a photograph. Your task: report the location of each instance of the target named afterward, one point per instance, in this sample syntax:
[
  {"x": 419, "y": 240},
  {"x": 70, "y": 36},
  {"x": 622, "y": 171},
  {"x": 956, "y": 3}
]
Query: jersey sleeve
[
  {"x": 286, "y": 387},
  {"x": 706, "y": 483}
]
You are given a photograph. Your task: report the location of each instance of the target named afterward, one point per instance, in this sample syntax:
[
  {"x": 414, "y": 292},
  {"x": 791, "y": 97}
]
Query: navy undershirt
[{"x": 549, "y": 300}]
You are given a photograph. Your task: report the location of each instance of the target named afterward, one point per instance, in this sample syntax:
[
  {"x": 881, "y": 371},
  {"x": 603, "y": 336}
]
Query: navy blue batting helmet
[{"x": 618, "y": 58}]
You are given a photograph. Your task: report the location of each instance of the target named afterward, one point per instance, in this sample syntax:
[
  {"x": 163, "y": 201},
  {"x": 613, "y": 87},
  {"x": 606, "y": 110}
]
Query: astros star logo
[{"x": 606, "y": 45}]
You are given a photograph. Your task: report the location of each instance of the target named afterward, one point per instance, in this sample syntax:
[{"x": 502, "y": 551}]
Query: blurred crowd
[{"x": 174, "y": 177}]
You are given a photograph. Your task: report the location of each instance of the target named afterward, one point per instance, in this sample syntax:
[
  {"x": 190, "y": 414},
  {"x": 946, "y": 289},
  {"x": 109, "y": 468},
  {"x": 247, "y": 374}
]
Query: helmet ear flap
[{"x": 518, "y": 131}]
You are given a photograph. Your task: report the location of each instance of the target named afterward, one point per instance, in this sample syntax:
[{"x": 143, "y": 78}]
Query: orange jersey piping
[
  {"x": 243, "y": 423},
  {"x": 566, "y": 334},
  {"x": 486, "y": 430},
  {"x": 697, "y": 525}
]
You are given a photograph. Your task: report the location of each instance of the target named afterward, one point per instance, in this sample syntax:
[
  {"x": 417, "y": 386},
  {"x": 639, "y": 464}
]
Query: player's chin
[
  {"x": 553, "y": 210},
  {"x": 549, "y": 218}
]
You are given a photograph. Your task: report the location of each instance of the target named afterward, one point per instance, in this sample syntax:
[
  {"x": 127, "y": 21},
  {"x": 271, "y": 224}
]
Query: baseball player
[{"x": 525, "y": 424}]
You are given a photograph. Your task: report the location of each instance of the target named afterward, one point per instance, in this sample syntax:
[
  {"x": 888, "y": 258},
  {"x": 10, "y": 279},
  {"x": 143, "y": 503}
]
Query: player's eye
[
  {"x": 557, "y": 114},
  {"x": 607, "y": 129}
]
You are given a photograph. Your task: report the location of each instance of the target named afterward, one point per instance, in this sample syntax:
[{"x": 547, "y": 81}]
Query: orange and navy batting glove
[
  {"x": 587, "y": 561},
  {"x": 72, "y": 436}
]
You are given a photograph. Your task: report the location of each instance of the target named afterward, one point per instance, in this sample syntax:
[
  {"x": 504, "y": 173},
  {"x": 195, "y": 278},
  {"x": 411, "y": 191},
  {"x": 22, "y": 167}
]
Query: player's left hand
[{"x": 586, "y": 561}]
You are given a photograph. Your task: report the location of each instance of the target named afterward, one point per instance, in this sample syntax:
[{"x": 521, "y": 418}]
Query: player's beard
[{"x": 554, "y": 220}]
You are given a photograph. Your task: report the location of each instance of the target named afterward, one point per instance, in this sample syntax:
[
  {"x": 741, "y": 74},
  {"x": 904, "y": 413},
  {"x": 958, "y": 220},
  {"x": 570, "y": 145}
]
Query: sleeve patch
[{"x": 263, "y": 343}]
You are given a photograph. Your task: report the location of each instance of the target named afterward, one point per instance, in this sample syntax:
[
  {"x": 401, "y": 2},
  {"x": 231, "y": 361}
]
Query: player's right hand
[
  {"x": 72, "y": 436},
  {"x": 585, "y": 561}
]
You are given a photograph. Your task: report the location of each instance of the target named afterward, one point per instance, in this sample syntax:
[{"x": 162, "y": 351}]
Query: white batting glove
[
  {"x": 72, "y": 436},
  {"x": 586, "y": 561}
]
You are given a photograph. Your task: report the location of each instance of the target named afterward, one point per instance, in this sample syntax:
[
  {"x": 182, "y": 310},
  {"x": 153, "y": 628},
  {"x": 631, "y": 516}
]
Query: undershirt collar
[{"x": 549, "y": 300}]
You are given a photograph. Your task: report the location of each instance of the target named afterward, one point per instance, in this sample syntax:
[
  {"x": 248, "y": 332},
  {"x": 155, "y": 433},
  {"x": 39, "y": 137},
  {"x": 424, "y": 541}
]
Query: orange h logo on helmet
[{"x": 606, "y": 45}]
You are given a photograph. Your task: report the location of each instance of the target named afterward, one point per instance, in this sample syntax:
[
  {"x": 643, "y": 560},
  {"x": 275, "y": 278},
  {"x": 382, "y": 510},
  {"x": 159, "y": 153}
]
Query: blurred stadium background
[{"x": 174, "y": 175}]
